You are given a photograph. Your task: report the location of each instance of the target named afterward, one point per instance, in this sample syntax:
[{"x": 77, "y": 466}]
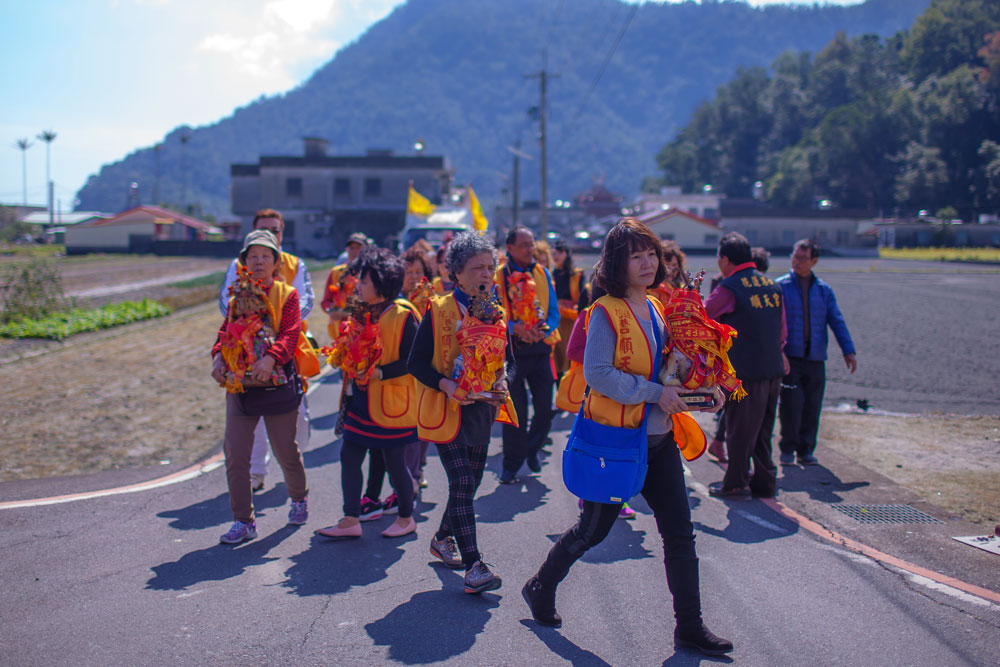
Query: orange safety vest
[
  {"x": 573, "y": 386},
  {"x": 393, "y": 403},
  {"x": 634, "y": 354},
  {"x": 437, "y": 421},
  {"x": 575, "y": 283},
  {"x": 542, "y": 296},
  {"x": 306, "y": 360}
]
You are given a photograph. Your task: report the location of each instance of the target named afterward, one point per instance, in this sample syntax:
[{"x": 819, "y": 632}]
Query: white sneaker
[{"x": 257, "y": 481}]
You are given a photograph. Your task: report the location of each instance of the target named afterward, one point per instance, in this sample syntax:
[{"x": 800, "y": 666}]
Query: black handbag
[{"x": 276, "y": 399}]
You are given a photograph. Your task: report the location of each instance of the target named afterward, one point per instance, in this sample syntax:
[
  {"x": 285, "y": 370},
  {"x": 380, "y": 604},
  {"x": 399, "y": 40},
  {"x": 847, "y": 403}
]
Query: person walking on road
[
  {"x": 751, "y": 304},
  {"x": 529, "y": 298},
  {"x": 334, "y": 292},
  {"x": 260, "y": 255},
  {"x": 290, "y": 270},
  {"x": 380, "y": 414},
  {"x": 810, "y": 307},
  {"x": 568, "y": 283},
  {"x": 619, "y": 370},
  {"x": 460, "y": 428},
  {"x": 717, "y": 447}
]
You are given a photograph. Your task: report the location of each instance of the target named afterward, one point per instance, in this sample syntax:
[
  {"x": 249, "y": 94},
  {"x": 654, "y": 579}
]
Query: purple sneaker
[
  {"x": 239, "y": 532},
  {"x": 299, "y": 512}
]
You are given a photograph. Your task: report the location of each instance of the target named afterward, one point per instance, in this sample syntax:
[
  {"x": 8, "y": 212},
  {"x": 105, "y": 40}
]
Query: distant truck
[{"x": 437, "y": 228}]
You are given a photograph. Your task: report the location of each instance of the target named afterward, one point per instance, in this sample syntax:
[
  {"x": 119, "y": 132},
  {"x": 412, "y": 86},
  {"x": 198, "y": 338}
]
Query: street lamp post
[
  {"x": 48, "y": 136},
  {"x": 24, "y": 145}
]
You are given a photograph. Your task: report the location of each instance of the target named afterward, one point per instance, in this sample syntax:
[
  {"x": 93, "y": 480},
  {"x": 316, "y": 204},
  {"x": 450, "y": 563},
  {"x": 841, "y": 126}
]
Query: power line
[{"x": 600, "y": 73}]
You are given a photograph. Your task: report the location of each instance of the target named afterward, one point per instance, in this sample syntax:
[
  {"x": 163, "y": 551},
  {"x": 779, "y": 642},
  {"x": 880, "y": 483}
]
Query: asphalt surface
[{"x": 140, "y": 579}]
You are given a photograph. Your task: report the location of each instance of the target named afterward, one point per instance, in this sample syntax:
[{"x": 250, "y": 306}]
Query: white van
[{"x": 436, "y": 228}]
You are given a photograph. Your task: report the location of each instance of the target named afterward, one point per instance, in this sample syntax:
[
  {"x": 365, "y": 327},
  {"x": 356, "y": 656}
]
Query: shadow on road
[
  {"x": 508, "y": 500},
  {"x": 684, "y": 658},
  {"x": 563, "y": 647},
  {"x": 207, "y": 512},
  {"x": 434, "y": 625},
  {"x": 750, "y": 523},
  {"x": 322, "y": 455},
  {"x": 819, "y": 482},
  {"x": 329, "y": 567},
  {"x": 216, "y": 563}
]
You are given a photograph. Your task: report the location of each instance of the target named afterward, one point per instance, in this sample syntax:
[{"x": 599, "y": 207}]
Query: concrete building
[
  {"x": 694, "y": 234},
  {"x": 325, "y": 198},
  {"x": 893, "y": 234},
  {"x": 838, "y": 231},
  {"x": 705, "y": 205},
  {"x": 136, "y": 230}
]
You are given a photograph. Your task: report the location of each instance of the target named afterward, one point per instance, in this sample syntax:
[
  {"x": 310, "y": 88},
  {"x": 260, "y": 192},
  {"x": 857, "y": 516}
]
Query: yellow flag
[
  {"x": 479, "y": 221},
  {"x": 417, "y": 204}
]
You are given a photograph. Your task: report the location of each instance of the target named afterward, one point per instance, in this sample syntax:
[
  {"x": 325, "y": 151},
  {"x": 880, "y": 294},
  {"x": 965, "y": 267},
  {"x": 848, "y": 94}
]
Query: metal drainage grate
[{"x": 885, "y": 514}]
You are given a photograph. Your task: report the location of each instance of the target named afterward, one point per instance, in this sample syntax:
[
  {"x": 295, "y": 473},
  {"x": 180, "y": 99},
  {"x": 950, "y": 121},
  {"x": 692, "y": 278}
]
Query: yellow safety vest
[
  {"x": 634, "y": 354},
  {"x": 542, "y": 296},
  {"x": 393, "y": 403},
  {"x": 436, "y": 420}
]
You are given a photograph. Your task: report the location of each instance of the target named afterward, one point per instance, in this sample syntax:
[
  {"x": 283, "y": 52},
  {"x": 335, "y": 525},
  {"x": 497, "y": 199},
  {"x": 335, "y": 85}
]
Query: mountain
[{"x": 452, "y": 72}]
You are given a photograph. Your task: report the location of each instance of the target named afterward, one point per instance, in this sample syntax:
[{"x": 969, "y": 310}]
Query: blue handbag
[{"x": 607, "y": 464}]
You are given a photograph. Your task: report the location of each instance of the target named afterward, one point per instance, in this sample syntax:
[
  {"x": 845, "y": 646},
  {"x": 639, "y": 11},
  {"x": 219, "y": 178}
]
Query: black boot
[
  {"x": 542, "y": 601},
  {"x": 540, "y": 591},
  {"x": 682, "y": 579}
]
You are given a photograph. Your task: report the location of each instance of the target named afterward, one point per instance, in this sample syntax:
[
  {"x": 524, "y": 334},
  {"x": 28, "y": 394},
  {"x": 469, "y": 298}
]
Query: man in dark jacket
[
  {"x": 810, "y": 307},
  {"x": 751, "y": 304}
]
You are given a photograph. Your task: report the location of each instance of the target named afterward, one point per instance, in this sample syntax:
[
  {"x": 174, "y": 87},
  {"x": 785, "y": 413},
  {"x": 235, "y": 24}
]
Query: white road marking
[
  {"x": 947, "y": 590},
  {"x": 135, "y": 488},
  {"x": 753, "y": 518}
]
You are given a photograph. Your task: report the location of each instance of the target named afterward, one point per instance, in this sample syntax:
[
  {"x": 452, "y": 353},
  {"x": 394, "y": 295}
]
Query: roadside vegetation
[
  {"x": 60, "y": 325},
  {"x": 34, "y": 305}
]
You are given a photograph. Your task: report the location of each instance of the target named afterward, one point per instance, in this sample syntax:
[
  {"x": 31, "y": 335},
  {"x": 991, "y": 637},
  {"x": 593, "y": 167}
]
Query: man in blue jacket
[{"x": 810, "y": 307}]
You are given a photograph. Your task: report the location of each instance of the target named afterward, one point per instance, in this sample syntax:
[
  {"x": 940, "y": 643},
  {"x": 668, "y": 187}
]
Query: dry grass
[{"x": 942, "y": 254}]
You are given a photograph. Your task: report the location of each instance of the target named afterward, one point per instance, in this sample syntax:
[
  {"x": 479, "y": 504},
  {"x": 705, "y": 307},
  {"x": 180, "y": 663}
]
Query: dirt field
[
  {"x": 927, "y": 345},
  {"x": 89, "y": 275}
]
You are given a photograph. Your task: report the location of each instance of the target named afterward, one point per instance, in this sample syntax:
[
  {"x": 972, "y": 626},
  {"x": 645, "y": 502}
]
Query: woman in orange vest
[
  {"x": 459, "y": 427},
  {"x": 260, "y": 255},
  {"x": 380, "y": 415},
  {"x": 618, "y": 367},
  {"x": 568, "y": 281}
]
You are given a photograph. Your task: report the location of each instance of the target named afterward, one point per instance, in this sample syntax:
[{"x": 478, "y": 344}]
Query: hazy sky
[{"x": 110, "y": 76}]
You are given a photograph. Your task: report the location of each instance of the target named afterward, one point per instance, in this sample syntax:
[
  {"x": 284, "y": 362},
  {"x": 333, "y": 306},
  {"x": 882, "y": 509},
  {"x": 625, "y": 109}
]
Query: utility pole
[
  {"x": 184, "y": 175},
  {"x": 156, "y": 174},
  {"x": 24, "y": 145},
  {"x": 48, "y": 136},
  {"x": 516, "y": 204},
  {"x": 543, "y": 77}
]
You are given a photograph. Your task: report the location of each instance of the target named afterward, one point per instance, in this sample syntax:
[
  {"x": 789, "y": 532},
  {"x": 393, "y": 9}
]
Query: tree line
[{"x": 894, "y": 126}]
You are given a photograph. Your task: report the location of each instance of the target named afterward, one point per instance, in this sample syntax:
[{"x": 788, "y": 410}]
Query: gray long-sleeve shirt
[{"x": 601, "y": 375}]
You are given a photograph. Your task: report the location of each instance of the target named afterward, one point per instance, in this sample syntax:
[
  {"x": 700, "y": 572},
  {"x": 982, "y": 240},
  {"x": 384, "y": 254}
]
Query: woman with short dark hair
[
  {"x": 380, "y": 414},
  {"x": 619, "y": 362}
]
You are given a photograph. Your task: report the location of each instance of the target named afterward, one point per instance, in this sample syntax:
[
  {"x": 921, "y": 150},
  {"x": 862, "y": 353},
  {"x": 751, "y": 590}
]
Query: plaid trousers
[{"x": 464, "y": 465}]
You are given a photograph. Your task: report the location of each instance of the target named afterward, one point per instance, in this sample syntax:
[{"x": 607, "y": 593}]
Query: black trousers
[
  {"x": 351, "y": 457},
  {"x": 534, "y": 373},
  {"x": 749, "y": 426},
  {"x": 801, "y": 402},
  {"x": 666, "y": 494}
]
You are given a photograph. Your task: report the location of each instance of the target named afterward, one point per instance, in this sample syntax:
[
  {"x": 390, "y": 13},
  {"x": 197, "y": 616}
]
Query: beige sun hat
[{"x": 261, "y": 237}]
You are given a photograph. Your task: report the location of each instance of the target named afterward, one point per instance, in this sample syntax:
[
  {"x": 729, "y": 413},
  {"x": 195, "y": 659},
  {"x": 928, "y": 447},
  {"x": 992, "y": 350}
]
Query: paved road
[{"x": 140, "y": 579}]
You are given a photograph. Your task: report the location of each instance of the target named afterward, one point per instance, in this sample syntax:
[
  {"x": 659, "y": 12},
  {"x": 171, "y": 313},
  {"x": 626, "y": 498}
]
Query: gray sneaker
[
  {"x": 479, "y": 579},
  {"x": 446, "y": 551}
]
